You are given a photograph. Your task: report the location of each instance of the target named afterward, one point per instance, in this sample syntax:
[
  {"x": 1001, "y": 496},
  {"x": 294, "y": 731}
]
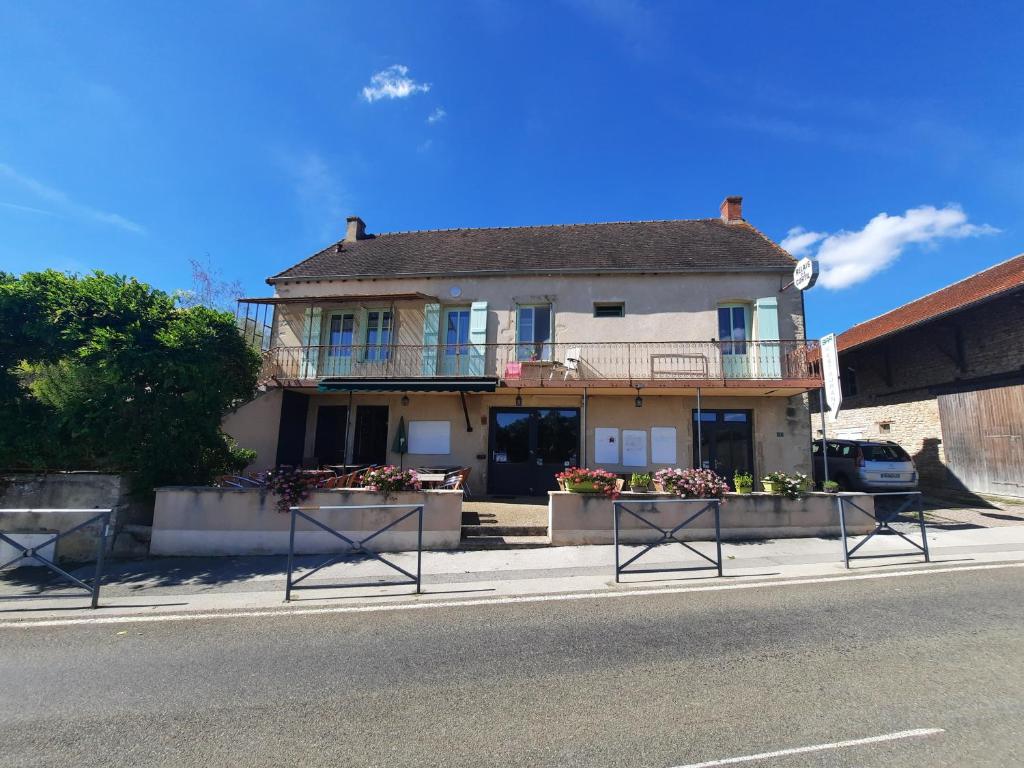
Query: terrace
[{"x": 780, "y": 366}]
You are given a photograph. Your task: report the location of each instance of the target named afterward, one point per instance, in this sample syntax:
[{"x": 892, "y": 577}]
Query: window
[
  {"x": 339, "y": 336},
  {"x": 533, "y": 332},
  {"x": 378, "y": 334},
  {"x": 609, "y": 309},
  {"x": 848, "y": 381},
  {"x": 732, "y": 329}
]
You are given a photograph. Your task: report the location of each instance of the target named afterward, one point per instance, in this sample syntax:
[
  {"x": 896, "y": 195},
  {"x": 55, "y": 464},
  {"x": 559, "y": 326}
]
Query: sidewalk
[{"x": 204, "y": 585}]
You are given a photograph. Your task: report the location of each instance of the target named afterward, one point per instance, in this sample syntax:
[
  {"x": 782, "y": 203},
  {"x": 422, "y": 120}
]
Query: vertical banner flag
[{"x": 830, "y": 372}]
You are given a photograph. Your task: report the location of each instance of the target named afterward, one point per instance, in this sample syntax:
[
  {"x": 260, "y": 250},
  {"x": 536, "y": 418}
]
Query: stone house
[
  {"x": 943, "y": 376},
  {"x": 520, "y": 351}
]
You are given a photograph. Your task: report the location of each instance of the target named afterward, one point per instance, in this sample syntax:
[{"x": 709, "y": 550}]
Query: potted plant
[
  {"x": 830, "y": 486},
  {"x": 390, "y": 479},
  {"x": 743, "y": 482},
  {"x": 640, "y": 482},
  {"x": 781, "y": 484},
  {"x": 580, "y": 480},
  {"x": 692, "y": 483}
]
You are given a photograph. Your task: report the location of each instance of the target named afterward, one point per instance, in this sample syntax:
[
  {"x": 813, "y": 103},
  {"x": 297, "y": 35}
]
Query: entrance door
[
  {"x": 726, "y": 442},
  {"x": 371, "y": 435},
  {"x": 529, "y": 446},
  {"x": 329, "y": 442}
]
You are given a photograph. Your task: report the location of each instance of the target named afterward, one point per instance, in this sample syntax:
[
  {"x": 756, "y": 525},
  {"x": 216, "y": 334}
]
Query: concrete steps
[{"x": 494, "y": 541}]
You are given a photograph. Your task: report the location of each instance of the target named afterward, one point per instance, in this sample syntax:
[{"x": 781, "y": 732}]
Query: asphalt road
[{"x": 649, "y": 681}]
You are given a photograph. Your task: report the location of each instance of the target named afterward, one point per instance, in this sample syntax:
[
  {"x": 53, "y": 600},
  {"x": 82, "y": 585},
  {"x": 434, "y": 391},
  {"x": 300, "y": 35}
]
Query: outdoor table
[{"x": 431, "y": 480}]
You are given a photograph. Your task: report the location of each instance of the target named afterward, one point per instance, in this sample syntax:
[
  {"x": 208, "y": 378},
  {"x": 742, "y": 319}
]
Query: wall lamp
[
  {"x": 405, "y": 399},
  {"x": 519, "y": 399},
  {"x": 639, "y": 402}
]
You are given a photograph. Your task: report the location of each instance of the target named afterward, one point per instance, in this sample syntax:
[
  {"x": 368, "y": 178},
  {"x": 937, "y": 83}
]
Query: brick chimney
[
  {"x": 732, "y": 209},
  {"x": 356, "y": 229}
]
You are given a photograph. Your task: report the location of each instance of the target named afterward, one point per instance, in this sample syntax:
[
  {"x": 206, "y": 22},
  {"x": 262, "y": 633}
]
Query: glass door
[
  {"x": 455, "y": 356},
  {"x": 337, "y": 354},
  {"x": 734, "y": 332},
  {"x": 725, "y": 443},
  {"x": 529, "y": 446}
]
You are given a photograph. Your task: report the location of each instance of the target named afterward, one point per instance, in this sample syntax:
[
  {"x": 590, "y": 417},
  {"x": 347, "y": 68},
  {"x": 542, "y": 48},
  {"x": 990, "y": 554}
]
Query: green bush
[{"x": 103, "y": 372}]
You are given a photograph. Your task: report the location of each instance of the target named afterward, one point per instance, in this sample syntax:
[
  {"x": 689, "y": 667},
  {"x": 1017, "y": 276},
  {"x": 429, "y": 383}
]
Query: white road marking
[
  {"x": 914, "y": 734},
  {"x": 280, "y": 612}
]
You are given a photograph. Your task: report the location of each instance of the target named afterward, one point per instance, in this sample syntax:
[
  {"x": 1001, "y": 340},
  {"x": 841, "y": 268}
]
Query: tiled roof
[
  {"x": 697, "y": 245},
  {"x": 984, "y": 285}
]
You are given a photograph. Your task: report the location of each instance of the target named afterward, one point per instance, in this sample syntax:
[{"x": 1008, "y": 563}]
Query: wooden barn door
[{"x": 983, "y": 437}]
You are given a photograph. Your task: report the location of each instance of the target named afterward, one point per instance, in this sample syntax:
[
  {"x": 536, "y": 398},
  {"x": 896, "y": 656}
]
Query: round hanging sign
[{"x": 805, "y": 274}]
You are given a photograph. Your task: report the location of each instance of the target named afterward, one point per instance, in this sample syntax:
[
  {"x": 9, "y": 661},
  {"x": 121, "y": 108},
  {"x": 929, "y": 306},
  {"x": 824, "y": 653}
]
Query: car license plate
[{"x": 891, "y": 475}]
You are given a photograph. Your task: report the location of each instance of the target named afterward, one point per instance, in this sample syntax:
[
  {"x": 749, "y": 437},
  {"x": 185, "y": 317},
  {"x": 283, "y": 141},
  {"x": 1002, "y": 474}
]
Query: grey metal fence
[
  {"x": 667, "y": 535},
  {"x": 102, "y": 517},
  {"x": 883, "y": 520},
  {"x": 354, "y": 546}
]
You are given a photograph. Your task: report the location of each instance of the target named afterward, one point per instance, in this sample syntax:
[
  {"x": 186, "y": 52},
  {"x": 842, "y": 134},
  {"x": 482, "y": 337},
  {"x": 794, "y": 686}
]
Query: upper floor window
[
  {"x": 533, "y": 332},
  {"x": 609, "y": 309},
  {"x": 378, "y": 334},
  {"x": 733, "y": 328},
  {"x": 339, "y": 335}
]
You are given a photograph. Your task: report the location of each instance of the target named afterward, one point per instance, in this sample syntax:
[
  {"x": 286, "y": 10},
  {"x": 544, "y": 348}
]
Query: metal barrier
[
  {"x": 355, "y": 546},
  {"x": 33, "y": 551},
  {"x": 668, "y": 536},
  {"x": 882, "y": 524}
]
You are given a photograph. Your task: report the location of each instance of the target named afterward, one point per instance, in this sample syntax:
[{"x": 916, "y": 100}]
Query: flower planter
[
  {"x": 744, "y": 489},
  {"x": 639, "y": 489},
  {"x": 586, "y": 486},
  {"x": 768, "y": 487}
]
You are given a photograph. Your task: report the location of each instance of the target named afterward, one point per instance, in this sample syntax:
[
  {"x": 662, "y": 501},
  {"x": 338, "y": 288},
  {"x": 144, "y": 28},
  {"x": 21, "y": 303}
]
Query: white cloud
[
  {"x": 848, "y": 258},
  {"x": 393, "y": 83},
  {"x": 436, "y": 116},
  {"x": 799, "y": 241},
  {"x": 65, "y": 204}
]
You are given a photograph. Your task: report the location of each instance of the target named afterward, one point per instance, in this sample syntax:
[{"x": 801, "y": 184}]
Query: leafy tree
[{"x": 103, "y": 372}]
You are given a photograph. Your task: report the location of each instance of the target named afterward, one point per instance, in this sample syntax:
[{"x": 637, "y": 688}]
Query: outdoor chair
[
  {"x": 571, "y": 364},
  {"x": 456, "y": 481}
]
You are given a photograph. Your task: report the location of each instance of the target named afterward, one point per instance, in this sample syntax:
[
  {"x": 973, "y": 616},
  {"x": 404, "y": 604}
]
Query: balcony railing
[{"x": 550, "y": 364}]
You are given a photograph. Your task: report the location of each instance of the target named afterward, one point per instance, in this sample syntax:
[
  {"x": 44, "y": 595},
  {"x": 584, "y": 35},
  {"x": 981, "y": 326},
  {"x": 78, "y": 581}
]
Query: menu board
[
  {"x": 606, "y": 445},
  {"x": 663, "y": 445},
  {"x": 634, "y": 448}
]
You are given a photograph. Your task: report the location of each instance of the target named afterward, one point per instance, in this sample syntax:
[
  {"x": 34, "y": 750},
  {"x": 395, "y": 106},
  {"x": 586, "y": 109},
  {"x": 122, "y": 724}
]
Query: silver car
[{"x": 865, "y": 465}]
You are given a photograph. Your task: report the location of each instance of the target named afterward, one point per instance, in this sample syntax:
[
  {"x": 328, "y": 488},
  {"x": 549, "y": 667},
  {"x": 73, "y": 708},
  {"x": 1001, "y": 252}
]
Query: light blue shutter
[
  {"x": 311, "y": 342},
  {"x": 431, "y": 332},
  {"x": 477, "y": 338},
  {"x": 766, "y": 318}
]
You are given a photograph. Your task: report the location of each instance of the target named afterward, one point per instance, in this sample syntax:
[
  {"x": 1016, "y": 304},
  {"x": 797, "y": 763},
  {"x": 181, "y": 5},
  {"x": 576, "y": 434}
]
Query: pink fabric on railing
[{"x": 513, "y": 371}]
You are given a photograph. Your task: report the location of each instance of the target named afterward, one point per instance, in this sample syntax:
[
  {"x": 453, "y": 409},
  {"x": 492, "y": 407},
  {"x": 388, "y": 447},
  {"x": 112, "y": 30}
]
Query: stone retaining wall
[
  {"x": 586, "y": 518},
  {"x": 227, "y": 521}
]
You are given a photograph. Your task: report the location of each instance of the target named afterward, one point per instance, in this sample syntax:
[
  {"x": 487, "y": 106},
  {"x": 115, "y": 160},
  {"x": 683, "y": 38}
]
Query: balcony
[{"x": 786, "y": 365}]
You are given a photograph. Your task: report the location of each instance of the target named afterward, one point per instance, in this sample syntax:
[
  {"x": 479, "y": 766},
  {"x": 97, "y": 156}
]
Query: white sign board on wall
[
  {"x": 430, "y": 437},
  {"x": 606, "y": 445},
  {"x": 634, "y": 448},
  {"x": 830, "y": 372},
  {"x": 663, "y": 445}
]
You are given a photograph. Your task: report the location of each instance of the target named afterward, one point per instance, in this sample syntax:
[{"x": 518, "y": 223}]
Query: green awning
[{"x": 342, "y": 384}]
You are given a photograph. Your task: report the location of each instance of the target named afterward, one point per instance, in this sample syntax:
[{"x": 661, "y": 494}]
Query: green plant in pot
[
  {"x": 640, "y": 482},
  {"x": 830, "y": 486},
  {"x": 743, "y": 482},
  {"x": 781, "y": 484}
]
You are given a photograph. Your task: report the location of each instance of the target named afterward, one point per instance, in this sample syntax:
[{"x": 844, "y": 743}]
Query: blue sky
[{"x": 136, "y": 136}]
